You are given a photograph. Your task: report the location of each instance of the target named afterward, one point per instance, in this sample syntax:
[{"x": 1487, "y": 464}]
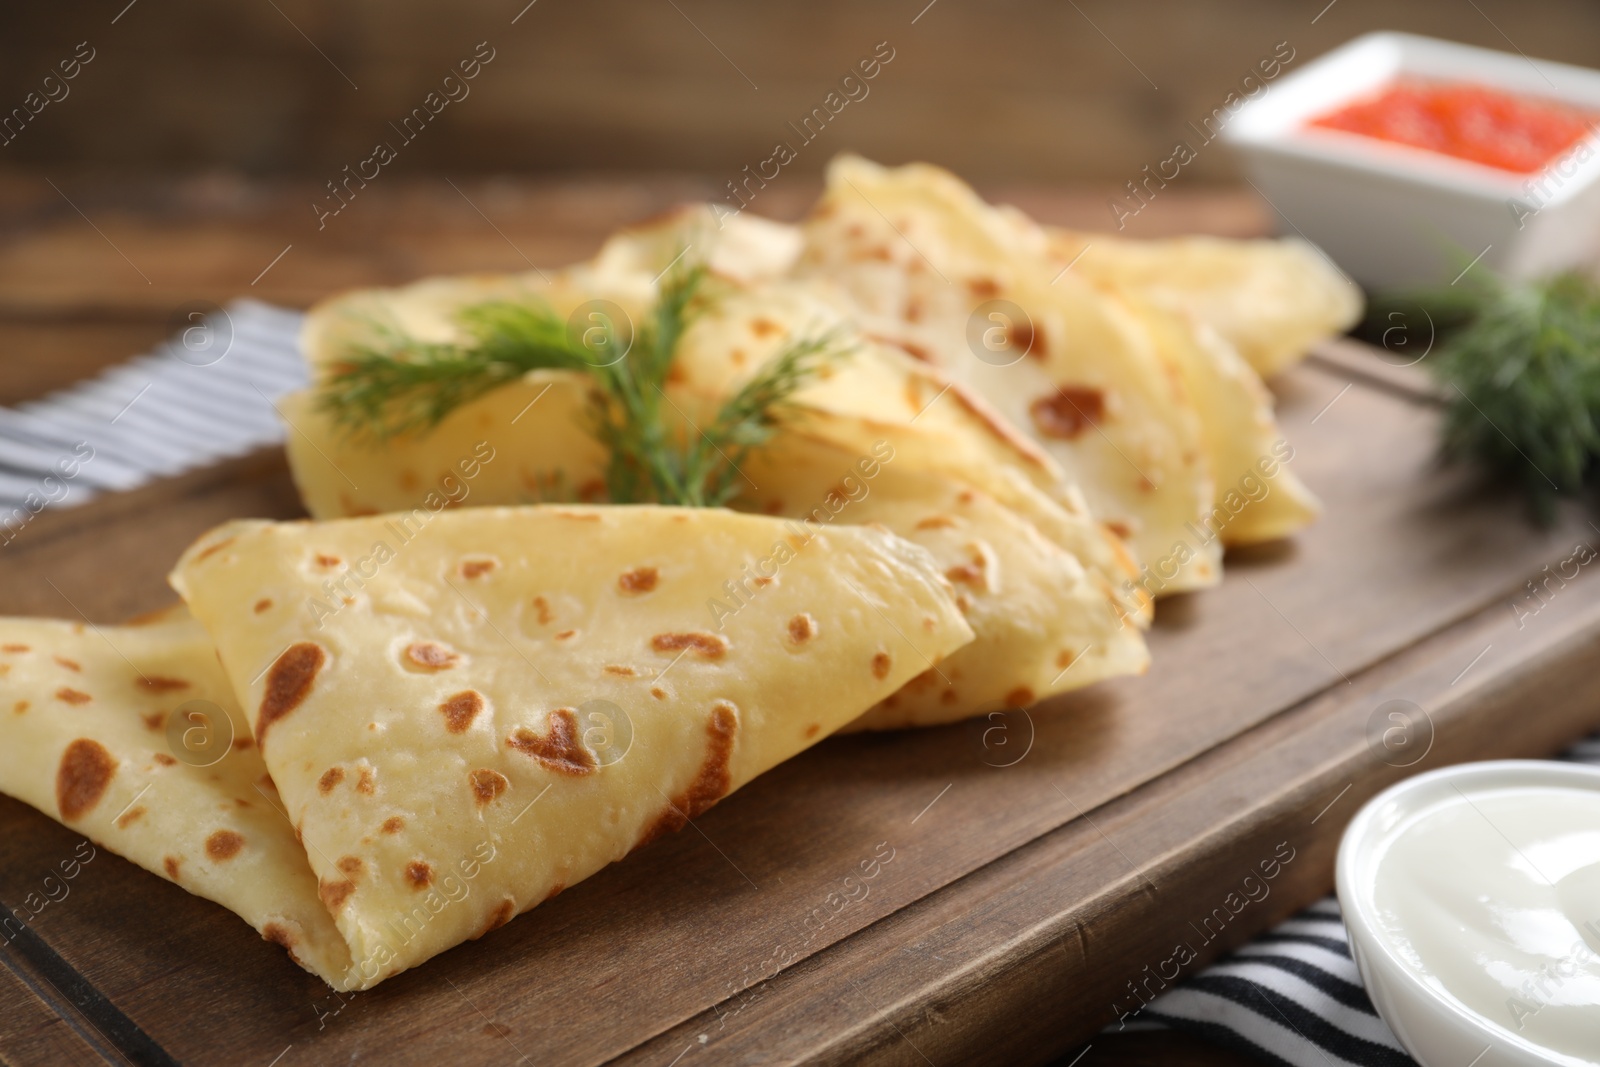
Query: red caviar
[{"x": 1474, "y": 122}]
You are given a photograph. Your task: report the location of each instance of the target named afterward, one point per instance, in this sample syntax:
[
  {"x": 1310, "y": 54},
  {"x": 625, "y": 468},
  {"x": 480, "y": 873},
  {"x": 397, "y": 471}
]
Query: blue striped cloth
[
  {"x": 203, "y": 396},
  {"x": 1291, "y": 997}
]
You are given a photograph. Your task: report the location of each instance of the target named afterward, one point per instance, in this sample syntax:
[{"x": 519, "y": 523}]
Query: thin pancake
[{"x": 465, "y": 711}]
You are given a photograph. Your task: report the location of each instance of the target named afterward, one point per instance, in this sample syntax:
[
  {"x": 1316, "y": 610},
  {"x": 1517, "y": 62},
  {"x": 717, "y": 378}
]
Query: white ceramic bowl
[
  {"x": 1393, "y": 215},
  {"x": 1437, "y": 1029}
]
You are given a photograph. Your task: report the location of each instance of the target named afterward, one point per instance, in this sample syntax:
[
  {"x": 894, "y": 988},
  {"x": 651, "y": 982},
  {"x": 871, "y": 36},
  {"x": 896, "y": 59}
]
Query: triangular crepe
[
  {"x": 927, "y": 261},
  {"x": 1272, "y": 299},
  {"x": 84, "y": 737},
  {"x": 467, "y": 710},
  {"x": 1258, "y": 498}
]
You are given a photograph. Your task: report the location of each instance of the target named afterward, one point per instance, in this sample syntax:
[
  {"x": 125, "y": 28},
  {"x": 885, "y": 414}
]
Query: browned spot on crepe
[
  {"x": 212, "y": 549},
  {"x": 658, "y": 692},
  {"x": 366, "y": 782},
  {"x": 430, "y": 655},
  {"x": 638, "y": 580},
  {"x": 460, "y": 710},
  {"x": 559, "y": 749},
  {"x": 710, "y": 783},
  {"x": 542, "y": 606},
  {"x": 709, "y": 646},
  {"x": 499, "y": 917},
  {"x": 393, "y": 824},
  {"x": 334, "y": 894},
  {"x": 802, "y": 628},
  {"x": 965, "y": 573},
  {"x": 242, "y": 743},
  {"x": 487, "y": 785},
  {"x": 351, "y": 866},
  {"x": 81, "y": 779},
  {"x": 171, "y": 865},
  {"x": 71, "y": 665},
  {"x": 279, "y": 934},
  {"x": 288, "y": 684},
  {"x": 880, "y": 665},
  {"x": 1065, "y": 658},
  {"x": 165, "y": 760},
  {"x": 224, "y": 845},
  {"x": 1069, "y": 412},
  {"x": 419, "y": 873},
  {"x": 330, "y": 780},
  {"x": 68, "y": 695},
  {"x": 20, "y": 706},
  {"x": 155, "y": 683},
  {"x": 1020, "y": 697},
  {"x": 325, "y": 560},
  {"x": 12, "y": 647},
  {"x": 476, "y": 568},
  {"x": 132, "y": 815},
  {"x": 935, "y": 522},
  {"x": 1021, "y": 337},
  {"x": 811, "y": 731},
  {"x": 263, "y": 604},
  {"x": 620, "y": 669},
  {"x": 555, "y": 891}
]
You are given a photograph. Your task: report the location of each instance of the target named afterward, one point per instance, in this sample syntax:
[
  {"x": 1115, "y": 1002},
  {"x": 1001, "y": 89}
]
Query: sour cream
[{"x": 1488, "y": 891}]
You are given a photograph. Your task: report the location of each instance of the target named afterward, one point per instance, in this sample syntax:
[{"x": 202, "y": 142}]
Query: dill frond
[
  {"x": 396, "y": 385},
  {"x": 1520, "y": 367}
]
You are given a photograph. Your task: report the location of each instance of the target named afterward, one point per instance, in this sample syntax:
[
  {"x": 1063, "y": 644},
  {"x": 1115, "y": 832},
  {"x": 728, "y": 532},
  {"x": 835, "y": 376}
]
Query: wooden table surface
[{"x": 1018, "y": 910}]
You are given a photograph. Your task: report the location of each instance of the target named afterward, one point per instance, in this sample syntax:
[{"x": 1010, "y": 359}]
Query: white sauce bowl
[{"x": 1436, "y": 1027}]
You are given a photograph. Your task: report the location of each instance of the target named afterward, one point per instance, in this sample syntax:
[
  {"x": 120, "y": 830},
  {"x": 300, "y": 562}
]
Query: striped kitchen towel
[
  {"x": 204, "y": 395},
  {"x": 1293, "y": 996}
]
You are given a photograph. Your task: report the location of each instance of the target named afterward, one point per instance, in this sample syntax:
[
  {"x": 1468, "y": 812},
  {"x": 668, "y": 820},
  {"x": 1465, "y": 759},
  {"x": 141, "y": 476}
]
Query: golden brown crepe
[
  {"x": 465, "y": 711},
  {"x": 970, "y": 288},
  {"x": 84, "y": 737}
]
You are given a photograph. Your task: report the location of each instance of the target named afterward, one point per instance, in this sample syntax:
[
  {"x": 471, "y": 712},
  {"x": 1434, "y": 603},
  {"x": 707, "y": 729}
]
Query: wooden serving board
[{"x": 1029, "y": 886}]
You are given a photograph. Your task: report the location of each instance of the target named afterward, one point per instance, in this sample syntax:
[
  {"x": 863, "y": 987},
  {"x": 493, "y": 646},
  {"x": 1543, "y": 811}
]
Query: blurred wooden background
[{"x": 1003, "y": 90}]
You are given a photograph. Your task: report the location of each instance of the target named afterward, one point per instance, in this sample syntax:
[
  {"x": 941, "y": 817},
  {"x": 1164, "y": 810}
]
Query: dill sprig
[
  {"x": 396, "y": 385},
  {"x": 1520, "y": 367}
]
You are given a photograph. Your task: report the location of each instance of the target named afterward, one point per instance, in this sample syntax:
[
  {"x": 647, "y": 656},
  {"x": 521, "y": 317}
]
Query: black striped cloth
[{"x": 1291, "y": 997}]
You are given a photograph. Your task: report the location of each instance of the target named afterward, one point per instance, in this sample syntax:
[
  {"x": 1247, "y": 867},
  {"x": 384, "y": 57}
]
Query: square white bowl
[{"x": 1393, "y": 215}]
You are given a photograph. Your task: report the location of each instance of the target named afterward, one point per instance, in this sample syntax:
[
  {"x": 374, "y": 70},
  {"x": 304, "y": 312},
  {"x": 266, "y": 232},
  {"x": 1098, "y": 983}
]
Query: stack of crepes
[{"x": 450, "y": 697}]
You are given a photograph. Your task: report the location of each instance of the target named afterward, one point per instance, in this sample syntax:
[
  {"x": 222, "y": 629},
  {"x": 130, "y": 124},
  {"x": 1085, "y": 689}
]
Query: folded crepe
[
  {"x": 971, "y": 289},
  {"x": 1271, "y": 299},
  {"x": 465, "y": 711},
  {"x": 85, "y": 738},
  {"x": 1257, "y": 497}
]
